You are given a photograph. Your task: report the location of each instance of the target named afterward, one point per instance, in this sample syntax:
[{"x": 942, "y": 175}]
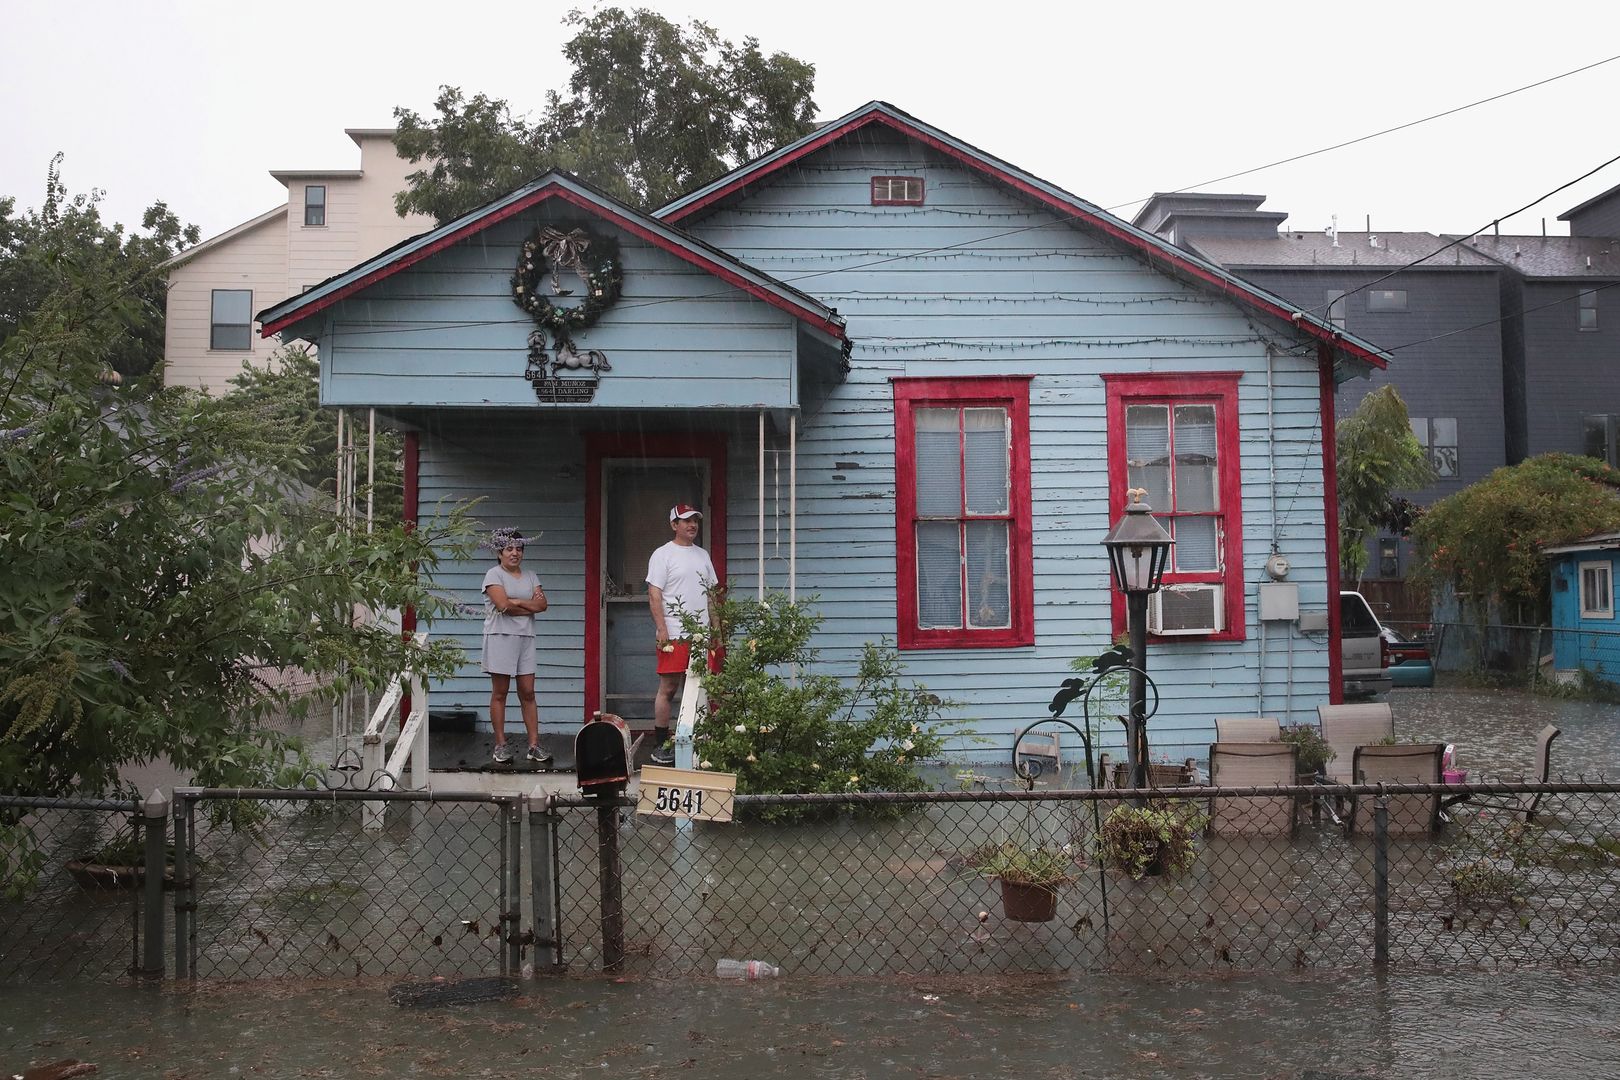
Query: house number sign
[{"x": 687, "y": 793}]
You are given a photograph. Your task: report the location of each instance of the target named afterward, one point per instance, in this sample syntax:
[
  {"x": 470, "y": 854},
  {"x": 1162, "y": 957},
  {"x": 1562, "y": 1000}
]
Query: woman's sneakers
[
  {"x": 503, "y": 754},
  {"x": 538, "y": 756}
]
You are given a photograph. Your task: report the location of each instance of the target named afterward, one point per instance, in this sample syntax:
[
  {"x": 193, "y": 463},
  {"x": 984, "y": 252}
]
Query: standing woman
[{"x": 513, "y": 597}]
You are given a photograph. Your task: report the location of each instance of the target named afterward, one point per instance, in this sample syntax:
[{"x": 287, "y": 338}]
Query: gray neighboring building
[
  {"x": 1561, "y": 333},
  {"x": 1438, "y": 317}
]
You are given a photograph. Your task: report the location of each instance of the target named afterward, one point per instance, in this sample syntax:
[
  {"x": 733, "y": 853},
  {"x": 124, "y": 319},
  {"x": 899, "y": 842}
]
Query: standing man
[
  {"x": 512, "y": 598},
  {"x": 679, "y": 577}
]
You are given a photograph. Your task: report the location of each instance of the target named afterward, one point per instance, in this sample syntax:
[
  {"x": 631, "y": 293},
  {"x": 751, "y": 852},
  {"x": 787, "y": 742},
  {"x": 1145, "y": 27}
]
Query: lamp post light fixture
[{"x": 1138, "y": 549}]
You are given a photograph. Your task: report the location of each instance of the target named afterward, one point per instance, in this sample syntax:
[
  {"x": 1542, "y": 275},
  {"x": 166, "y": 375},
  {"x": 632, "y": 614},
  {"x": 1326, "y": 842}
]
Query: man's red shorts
[{"x": 679, "y": 659}]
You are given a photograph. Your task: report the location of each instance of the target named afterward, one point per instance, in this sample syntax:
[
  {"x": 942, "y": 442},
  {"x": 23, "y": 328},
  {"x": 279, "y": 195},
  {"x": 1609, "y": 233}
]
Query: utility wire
[
  {"x": 1374, "y": 135},
  {"x": 1463, "y": 239}
]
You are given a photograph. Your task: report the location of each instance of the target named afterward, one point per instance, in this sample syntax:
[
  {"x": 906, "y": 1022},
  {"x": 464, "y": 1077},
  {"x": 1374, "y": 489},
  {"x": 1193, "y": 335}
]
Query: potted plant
[
  {"x": 1030, "y": 874},
  {"x": 118, "y": 864},
  {"x": 1314, "y": 751},
  {"x": 1142, "y": 841}
]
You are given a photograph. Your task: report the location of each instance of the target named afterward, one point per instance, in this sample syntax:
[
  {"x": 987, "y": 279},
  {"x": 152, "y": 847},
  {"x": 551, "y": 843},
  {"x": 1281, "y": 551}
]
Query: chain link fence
[
  {"x": 270, "y": 884},
  {"x": 280, "y": 883},
  {"x": 1522, "y": 655},
  {"x": 903, "y": 893},
  {"x": 70, "y": 889}
]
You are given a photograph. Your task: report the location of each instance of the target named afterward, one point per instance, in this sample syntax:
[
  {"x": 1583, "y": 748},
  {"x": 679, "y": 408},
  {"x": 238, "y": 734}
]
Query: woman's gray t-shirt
[{"x": 519, "y": 586}]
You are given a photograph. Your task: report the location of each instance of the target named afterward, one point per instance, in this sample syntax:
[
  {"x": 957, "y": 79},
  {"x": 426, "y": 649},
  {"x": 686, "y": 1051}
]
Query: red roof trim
[
  {"x": 1068, "y": 208},
  {"x": 539, "y": 195}
]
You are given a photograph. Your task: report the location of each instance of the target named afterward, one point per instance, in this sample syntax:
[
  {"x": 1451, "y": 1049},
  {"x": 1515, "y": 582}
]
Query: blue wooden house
[
  {"x": 1586, "y": 637},
  {"x": 899, "y": 375}
]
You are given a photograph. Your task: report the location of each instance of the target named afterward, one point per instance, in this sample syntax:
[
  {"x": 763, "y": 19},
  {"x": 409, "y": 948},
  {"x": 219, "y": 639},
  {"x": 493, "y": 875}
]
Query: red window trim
[
  {"x": 1220, "y": 387},
  {"x": 918, "y": 201},
  {"x": 1013, "y": 393}
]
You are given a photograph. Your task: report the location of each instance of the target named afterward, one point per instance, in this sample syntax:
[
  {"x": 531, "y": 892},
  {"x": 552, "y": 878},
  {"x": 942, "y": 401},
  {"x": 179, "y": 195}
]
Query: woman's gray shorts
[{"x": 508, "y": 654}]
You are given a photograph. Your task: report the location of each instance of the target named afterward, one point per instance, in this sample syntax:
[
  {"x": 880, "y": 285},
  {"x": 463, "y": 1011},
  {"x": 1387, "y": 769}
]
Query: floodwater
[
  {"x": 1523, "y": 1025},
  {"x": 1495, "y": 730}
]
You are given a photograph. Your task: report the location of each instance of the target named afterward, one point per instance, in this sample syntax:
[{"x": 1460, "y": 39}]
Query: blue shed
[
  {"x": 1586, "y": 637},
  {"x": 898, "y": 374}
]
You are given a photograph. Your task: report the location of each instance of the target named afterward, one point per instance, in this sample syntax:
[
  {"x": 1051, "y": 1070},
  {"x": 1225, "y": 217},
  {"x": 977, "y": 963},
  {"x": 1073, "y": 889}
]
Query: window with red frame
[
  {"x": 963, "y": 523},
  {"x": 1176, "y": 436}
]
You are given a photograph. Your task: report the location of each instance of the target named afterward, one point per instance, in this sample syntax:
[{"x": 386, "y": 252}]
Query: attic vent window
[{"x": 897, "y": 191}]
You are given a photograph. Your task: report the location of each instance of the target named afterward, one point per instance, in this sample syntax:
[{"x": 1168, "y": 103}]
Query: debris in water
[{"x": 439, "y": 992}]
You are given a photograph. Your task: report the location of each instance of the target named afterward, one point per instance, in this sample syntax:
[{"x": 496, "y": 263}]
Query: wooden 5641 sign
[{"x": 688, "y": 793}]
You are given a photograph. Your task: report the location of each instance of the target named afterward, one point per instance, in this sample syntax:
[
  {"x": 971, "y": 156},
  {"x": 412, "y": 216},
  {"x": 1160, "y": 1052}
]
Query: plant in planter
[
  {"x": 1149, "y": 840},
  {"x": 1031, "y": 874},
  {"x": 1314, "y": 751},
  {"x": 118, "y": 864}
]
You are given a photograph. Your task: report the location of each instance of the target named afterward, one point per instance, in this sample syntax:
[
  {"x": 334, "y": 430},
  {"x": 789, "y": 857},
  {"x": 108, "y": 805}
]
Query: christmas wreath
[{"x": 550, "y": 250}]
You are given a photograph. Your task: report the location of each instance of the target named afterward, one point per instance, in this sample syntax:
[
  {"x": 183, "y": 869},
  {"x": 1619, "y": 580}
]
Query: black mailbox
[{"x": 602, "y": 755}]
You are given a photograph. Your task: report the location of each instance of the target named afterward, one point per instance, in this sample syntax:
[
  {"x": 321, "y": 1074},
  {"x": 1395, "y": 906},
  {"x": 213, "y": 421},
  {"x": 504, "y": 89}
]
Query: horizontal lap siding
[
  {"x": 1062, "y": 306},
  {"x": 446, "y": 332},
  {"x": 529, "y": 478}
]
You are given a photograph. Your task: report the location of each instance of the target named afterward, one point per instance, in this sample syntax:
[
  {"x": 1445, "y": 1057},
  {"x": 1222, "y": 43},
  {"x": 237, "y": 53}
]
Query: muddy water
[
  {"x": 1495, "y": 730},
  {"x": 1533, "y": 1025}
]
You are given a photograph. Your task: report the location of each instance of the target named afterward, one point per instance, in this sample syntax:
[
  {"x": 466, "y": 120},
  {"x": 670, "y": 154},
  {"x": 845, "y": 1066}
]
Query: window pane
[
  {"x": 1335, "y": 307},
  {"x": 1197, "y": 544},
  {"x": 939, "y": 575},
  {"x": 985, "y": 441},
  {"x": 1195, "y": 458},
  {"x": 1595, "y": 437},
  {"x": 988, "y": 597},
  {"x": 939, "y": 463},
  {"x": 1420, "y": 429},
  {"x": 1147, "y": 452},
  {"x": 1386, "y": 300},
  {"x": 233, "y": 306}
]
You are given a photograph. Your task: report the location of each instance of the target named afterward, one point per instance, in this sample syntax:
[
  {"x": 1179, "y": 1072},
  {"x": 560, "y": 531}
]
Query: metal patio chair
[{"x": 1253, "y": 764}]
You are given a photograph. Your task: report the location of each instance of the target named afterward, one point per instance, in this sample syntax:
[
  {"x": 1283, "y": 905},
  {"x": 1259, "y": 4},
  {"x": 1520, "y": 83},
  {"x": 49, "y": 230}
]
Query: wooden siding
[
  {"x": 1046, "y": 300},
  {"x": 256, "y": 260},
  {"x": 1049, "y": 302},
  {"x": 446, "y": 333}
]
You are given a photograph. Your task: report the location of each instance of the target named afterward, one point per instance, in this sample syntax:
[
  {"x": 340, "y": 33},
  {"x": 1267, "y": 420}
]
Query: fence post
[
  {"x": 184, "y": 888},
  {"x": 1535, "y": 659},
  {"x": 1381, "y": 881},
  {"x": 512, "y": 886},
  {"x": 155, "y": 812},
  {"x": 542, "y": 883},
  {"x": 607, "y": 843}
]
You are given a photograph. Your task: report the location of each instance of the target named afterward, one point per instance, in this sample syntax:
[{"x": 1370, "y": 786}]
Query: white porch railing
[{"x": 411, "y": 747}]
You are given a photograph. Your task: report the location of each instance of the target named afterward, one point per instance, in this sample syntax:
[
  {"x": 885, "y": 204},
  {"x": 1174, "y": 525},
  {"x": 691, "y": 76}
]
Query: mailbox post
[{"x": 602, "y": 758}]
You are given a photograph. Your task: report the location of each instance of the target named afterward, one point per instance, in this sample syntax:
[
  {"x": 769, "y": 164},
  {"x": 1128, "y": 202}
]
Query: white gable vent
[{"x": 1187, "y": 609}]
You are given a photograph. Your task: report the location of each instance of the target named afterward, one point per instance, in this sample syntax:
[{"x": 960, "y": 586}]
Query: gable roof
[
  {"x": 569, "y": 189},
  {"x": 1076, "y": 209},
  {"x": 265, "y": 218}
]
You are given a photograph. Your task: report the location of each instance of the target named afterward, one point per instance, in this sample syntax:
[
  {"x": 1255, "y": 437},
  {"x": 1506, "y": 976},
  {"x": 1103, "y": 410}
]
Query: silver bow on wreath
[{"x": 564, "y": 250}]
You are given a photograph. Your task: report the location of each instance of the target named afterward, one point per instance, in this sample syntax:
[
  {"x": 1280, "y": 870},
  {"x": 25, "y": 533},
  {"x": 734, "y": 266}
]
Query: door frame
[{"x": 602, "y": 445}]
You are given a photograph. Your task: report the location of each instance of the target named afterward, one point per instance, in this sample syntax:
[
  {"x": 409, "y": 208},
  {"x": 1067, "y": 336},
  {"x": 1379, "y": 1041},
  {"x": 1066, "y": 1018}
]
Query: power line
[
  {"x": 1374, "y": 135},
  {"x": 1463, "y": 239}
]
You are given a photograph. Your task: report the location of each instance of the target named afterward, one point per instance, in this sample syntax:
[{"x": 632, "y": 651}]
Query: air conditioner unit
[{"x": 1187, "y": 609}]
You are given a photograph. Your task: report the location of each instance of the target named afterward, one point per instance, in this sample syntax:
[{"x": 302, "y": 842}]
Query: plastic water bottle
[{"x": 746, "y": 969}]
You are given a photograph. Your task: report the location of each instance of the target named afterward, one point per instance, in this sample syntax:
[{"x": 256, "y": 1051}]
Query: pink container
[{"x": 1454, "y": 776}]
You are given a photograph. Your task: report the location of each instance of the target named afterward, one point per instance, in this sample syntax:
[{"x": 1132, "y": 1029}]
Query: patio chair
[
  {"x": 1253, "y": 764},
  {"x": 1346, "y": 727},
  {"x": 1400, "y": 763},
  {"x": 1526, "y": 803},
  {"x": 1247, "y": 729}
]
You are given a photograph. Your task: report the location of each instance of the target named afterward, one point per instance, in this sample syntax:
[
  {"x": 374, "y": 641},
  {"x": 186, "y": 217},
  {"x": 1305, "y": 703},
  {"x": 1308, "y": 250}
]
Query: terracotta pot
[{"x": 1028, "y": 903}]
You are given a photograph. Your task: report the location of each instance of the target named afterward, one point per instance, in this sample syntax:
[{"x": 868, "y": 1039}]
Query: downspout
[
  {"x": 1330, "y": 515},
  {"x": 1271, "y": 459}
]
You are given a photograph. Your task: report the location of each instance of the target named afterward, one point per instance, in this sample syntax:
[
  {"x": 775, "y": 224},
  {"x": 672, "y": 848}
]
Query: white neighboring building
[{"x": 332, "y": 220}]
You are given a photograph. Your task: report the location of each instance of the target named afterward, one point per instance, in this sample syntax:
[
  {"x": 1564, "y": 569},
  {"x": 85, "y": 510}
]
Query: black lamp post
[{"x": 1139, "y": 548}]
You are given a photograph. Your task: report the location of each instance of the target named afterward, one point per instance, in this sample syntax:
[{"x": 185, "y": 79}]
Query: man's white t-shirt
[{"x": 684, "y": 574}]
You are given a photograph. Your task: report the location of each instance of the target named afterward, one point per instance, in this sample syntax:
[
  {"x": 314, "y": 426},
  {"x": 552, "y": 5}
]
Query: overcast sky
[{"x": 195, "y": 102}]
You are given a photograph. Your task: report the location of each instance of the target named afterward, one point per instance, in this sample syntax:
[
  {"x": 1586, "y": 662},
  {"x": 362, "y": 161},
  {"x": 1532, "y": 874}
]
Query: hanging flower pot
[{"x": 1024, "y": 902}]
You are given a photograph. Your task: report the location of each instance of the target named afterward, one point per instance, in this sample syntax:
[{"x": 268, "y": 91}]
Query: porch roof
[{"x": 566, "y": 188}]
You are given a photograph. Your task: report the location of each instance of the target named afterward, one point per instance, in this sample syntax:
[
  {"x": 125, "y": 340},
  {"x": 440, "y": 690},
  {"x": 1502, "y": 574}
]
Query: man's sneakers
[
  {"x": 503, "y": 754},
  {"x": 664, "y": 753},
  {"x": 538, "y": 756}
]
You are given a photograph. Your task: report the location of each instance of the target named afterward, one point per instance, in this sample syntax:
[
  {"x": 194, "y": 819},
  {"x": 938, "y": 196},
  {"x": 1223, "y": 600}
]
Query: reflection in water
[{"x": 1522, "y": 1025}]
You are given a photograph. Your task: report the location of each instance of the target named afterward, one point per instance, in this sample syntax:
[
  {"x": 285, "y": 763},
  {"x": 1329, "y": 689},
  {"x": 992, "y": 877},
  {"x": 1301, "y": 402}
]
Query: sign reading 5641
[{"x": 688, "y": 793}]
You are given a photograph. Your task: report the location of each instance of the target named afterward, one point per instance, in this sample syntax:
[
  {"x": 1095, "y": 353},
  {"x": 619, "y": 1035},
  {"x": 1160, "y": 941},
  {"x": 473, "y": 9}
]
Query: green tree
[
  {"x": 156, "y": 572},
  {"x": 66, "y": 244},
  {"x": 1377, "y": 455},
  {"x": 652, "y": 109},
  {"x": 285, "y": 393},
  {"x": 1485, "y": 541}
]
